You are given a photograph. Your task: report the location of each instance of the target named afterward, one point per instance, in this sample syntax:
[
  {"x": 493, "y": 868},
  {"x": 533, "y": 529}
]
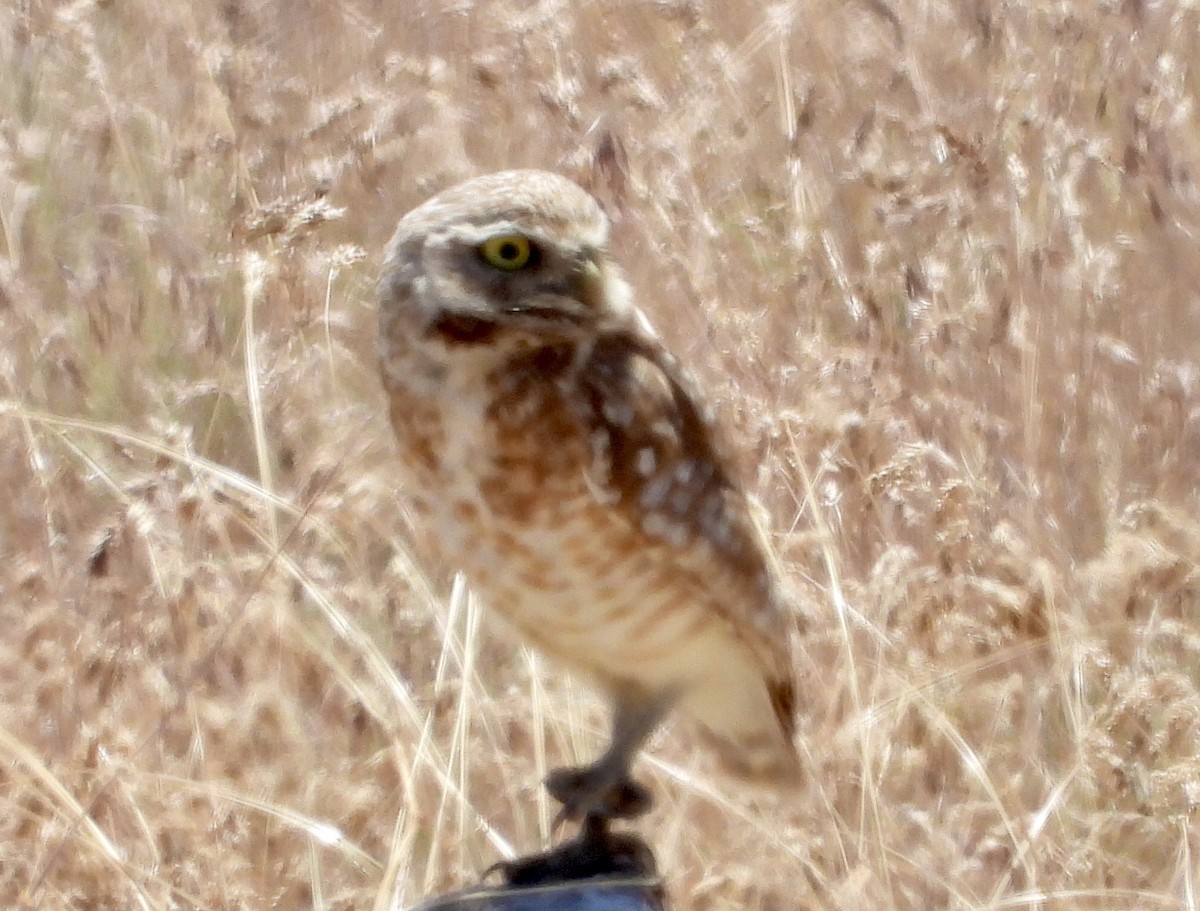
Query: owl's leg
[{"x": 605, "y": 789}]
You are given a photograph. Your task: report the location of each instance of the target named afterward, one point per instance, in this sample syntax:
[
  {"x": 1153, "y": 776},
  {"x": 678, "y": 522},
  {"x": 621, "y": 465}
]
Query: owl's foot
[
  {"x": 596, "y": 792},
  {"x": 604, "y": 790}
]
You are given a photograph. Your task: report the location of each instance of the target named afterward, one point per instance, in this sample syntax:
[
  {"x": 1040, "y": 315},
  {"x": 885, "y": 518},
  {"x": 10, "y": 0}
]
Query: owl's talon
[{"x": 588, "y": 791}]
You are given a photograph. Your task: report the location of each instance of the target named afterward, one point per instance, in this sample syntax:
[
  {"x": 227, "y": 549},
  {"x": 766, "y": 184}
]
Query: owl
[{"x": 556, "y": 455}]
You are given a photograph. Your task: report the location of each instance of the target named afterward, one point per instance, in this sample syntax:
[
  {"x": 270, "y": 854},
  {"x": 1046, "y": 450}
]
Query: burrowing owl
[{"x": 559, "y": 460}]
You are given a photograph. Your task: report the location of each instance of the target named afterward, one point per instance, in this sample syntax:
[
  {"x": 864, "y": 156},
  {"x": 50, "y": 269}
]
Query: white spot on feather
[
  {"x": 618, "y": 413},
  {"x": 660, "y": 526},
  {"x": 655, "y": 492},
  {"x": 646, "y": 461},
  {"x": 654, "y": 523}
]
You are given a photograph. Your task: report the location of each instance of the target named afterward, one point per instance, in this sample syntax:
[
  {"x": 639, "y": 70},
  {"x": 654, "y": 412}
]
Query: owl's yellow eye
[{"x": 509, "y": 252}]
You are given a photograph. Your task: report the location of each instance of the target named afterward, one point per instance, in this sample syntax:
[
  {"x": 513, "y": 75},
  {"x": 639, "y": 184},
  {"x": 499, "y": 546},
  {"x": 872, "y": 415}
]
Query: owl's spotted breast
[{"x": 591, "y": 509}]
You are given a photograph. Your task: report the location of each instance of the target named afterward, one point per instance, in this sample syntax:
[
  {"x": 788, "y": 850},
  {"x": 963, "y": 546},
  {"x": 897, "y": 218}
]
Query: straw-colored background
[{"x": 937, "y": 263}]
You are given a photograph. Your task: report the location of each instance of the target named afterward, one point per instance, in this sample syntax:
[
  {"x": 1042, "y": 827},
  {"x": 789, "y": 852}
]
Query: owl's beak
[
  {"x": 589, "y": 285},
  {"x": 572, "y": 304}
]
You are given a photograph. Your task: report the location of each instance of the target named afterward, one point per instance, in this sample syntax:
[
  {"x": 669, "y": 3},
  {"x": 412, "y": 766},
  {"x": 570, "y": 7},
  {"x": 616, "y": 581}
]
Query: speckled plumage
[{"x": 558, "y": 458}]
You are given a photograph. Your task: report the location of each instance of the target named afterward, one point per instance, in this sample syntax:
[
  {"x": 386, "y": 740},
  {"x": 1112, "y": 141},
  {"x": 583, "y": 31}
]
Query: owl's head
[{"x": 511, "y": 258}]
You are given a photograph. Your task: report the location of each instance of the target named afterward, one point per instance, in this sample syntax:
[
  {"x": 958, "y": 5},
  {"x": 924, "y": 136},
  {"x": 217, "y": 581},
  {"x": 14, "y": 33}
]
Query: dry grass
[{"x": 938, "y": 258}]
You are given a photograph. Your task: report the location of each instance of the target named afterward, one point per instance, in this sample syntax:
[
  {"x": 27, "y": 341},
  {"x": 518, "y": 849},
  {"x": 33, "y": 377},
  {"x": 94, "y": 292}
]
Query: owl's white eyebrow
[{"x": 474, "y": 233}]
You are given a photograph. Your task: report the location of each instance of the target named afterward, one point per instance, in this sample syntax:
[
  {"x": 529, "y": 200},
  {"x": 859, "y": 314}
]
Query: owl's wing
[{"x": 659, "y": 457}]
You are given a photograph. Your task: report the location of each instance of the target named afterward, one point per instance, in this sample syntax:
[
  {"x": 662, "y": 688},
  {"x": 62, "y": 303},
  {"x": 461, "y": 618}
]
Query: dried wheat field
[{"x": 938, "y": 260}]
